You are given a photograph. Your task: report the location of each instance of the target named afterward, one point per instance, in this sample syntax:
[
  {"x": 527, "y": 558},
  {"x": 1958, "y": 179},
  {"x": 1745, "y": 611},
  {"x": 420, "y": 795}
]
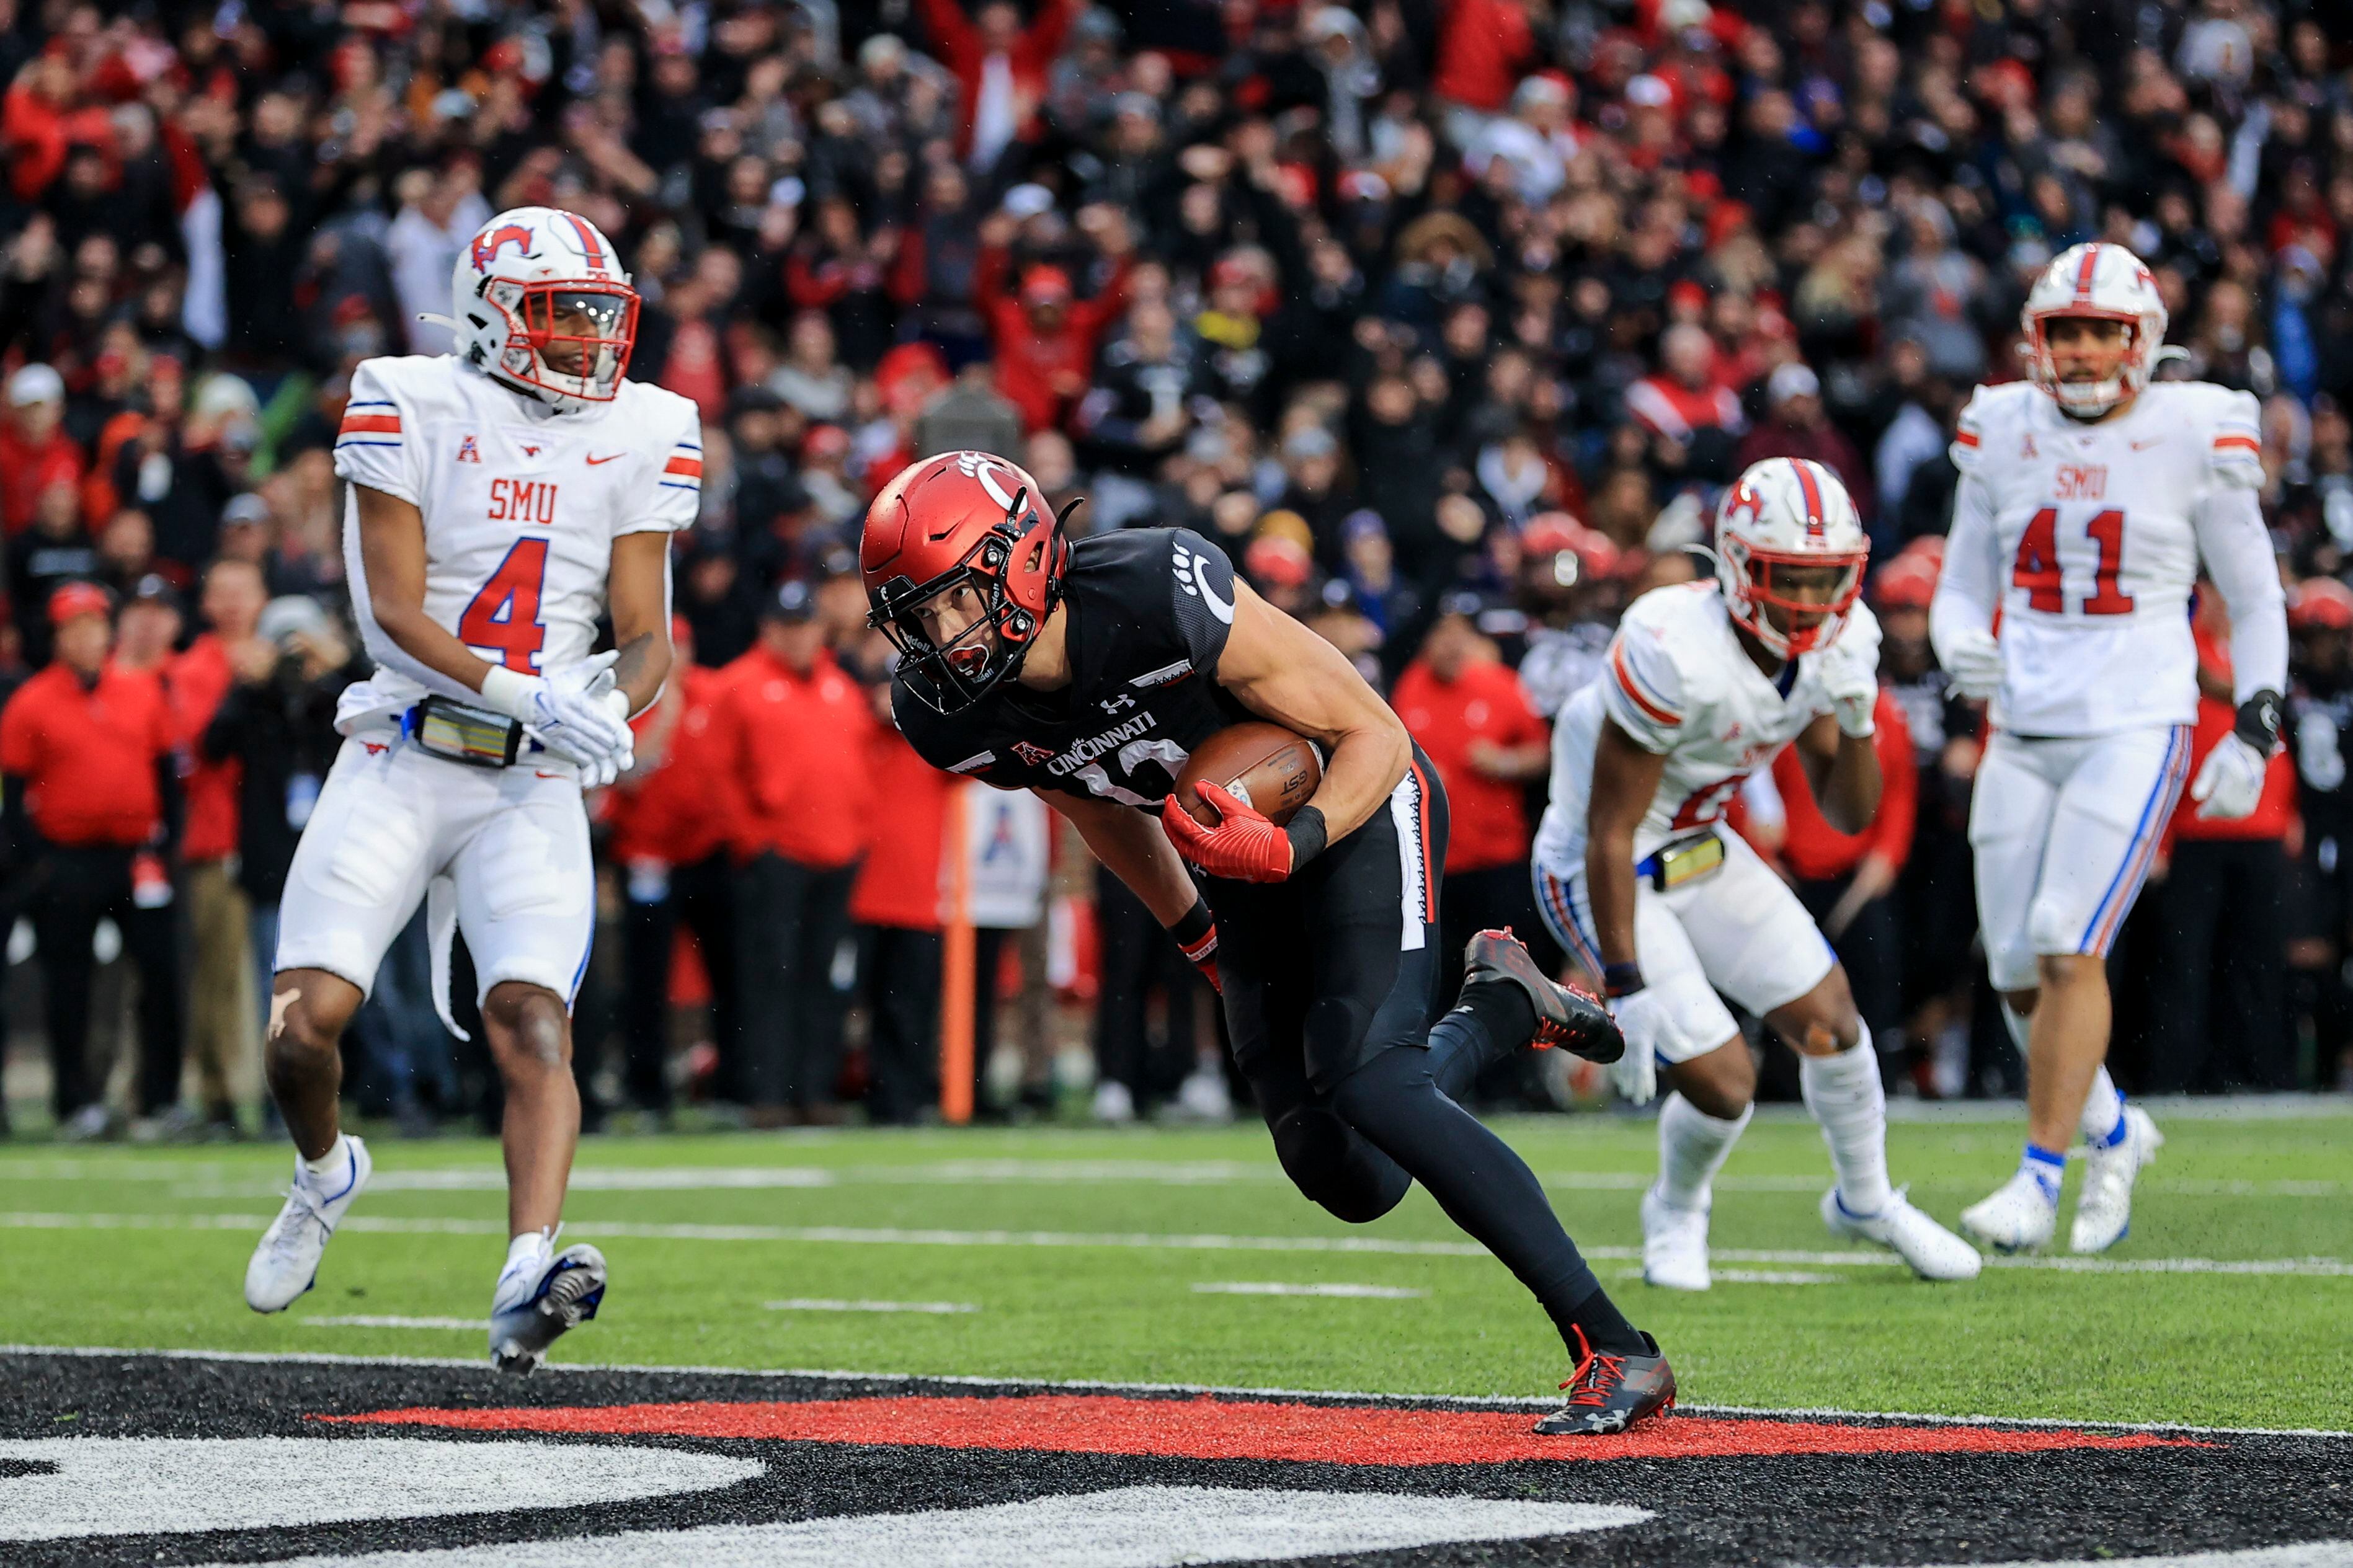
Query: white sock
[
  {"x": 2103, "y": 1123},
  {"x": 531, "y": 1251},
  {"x": 1844, "y": 1094},
  {"x": 1693, "y": 1146},
  {"x": 328, "y": 1171},
  {"x": 2019, "y": 1024}
]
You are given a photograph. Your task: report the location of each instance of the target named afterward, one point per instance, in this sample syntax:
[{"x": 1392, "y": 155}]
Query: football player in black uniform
[{"x": 1088, "y": 672}]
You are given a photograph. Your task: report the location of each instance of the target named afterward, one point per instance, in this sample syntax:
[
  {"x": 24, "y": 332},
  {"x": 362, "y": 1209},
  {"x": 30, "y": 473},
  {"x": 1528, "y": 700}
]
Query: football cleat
[
  {"x": 2016, "y": 1219},
  {"x": 285, "y": 1261},
  {"x": 530, "y": 1312},
  {"x": 2103, "y": 1207},
  {"x": 1565, "y": 1017},
  {"x": 1933, "y": 1252},
  {"x": 1610, "y": 1392},
  {"x": 1675, "y": 1245}
]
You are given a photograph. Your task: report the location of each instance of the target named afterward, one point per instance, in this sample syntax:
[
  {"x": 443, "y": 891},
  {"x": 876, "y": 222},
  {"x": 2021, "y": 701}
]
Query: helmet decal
[{"x": 490, "y": 241}]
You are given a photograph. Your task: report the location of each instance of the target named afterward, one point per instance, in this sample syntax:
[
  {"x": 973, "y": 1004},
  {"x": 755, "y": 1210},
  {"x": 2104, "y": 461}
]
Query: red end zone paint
[{"x": 1233, "y": 1429}]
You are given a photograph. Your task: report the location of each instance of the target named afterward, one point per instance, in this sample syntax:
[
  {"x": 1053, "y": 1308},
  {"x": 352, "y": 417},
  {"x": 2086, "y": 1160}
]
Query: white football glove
[
  {"x": 569, "y": 713},
  {"x": 1974, "y": 664},
  {"x": 2231, "y": 783},
  {"x": 1850, "y": 681},
  {"x": 1642, "y": 1018}
]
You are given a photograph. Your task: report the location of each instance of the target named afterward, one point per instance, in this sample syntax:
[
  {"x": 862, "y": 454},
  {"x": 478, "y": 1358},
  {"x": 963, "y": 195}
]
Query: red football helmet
[
  {"x": 2320, "y": 604},
  {"x": 957, "y": 519}
]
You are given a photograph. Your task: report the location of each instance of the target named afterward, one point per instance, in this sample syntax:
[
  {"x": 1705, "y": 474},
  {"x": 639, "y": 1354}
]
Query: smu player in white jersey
[
  {"x": 503, "y": 498},
  {"x": 1704, "y": 684},
  {"x": 2088, "y": 499}
]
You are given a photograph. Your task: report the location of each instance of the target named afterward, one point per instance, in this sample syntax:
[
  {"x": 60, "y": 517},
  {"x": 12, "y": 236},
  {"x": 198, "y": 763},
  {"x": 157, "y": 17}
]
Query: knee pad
[
  {"x": 2054, "y": 925},
  {"x": 1331, "y": 1162}
]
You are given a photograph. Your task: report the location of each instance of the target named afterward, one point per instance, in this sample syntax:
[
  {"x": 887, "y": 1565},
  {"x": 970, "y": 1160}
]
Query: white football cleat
[
  {"x": 1115, "y": 1106},
  {"x": 1933, "y": 1252},
  {"x": 1675, "y": 1245},
  {"x": 2017, "y": 1218},
  {"x": 2103, "y": 1207},
  {"x": 287, "y": 1260},
  {"x": 532, "y": 1310}
]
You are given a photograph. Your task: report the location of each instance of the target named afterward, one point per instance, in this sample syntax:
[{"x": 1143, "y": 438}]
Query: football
[{"x": 1265, "y": 764}]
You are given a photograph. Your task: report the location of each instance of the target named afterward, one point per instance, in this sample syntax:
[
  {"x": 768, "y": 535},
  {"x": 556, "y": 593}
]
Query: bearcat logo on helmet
[{"x": 959, "y": 524}]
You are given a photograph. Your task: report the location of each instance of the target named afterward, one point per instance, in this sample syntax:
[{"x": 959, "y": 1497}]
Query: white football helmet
[
  {"x": 2106, "y": 283},
  {"x": 1785, "y": 513},
  {"x": 526, "y": 268}
]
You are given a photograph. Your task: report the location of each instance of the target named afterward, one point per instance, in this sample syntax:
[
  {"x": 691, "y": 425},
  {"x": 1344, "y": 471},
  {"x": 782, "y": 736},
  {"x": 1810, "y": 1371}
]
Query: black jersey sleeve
[
  {"x": 1204, "y": 597},
  {"x": 950, "y": 742}
]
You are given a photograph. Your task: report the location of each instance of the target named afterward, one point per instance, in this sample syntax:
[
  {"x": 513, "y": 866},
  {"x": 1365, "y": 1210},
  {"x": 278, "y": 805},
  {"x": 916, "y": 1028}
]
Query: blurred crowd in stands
[{"x": 1446, "y": 318}]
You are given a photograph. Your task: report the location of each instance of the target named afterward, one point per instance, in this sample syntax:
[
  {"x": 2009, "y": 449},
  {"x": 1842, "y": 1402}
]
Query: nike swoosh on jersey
[{"x": 594, "y": 459}]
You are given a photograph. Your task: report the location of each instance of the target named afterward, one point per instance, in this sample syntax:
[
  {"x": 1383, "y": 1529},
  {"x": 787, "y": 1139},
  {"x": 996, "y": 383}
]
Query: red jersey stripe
[
  {"x": 692, "y": 467},
  {"x": 2243, "y": 443},
  {"x": 1965, "y": 438},
  {"x": 1654, "y": 711},
  {"x": 371, "y": 423}
]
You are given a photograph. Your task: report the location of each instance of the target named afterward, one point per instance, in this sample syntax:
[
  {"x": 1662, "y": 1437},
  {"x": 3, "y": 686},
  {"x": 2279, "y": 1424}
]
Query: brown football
[{"x": 1264, "y": 764}]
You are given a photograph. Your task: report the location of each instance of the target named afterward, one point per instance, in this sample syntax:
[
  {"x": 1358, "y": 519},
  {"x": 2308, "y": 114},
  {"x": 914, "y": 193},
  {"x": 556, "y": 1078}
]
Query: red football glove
[{"x": 1244, "y": 845}]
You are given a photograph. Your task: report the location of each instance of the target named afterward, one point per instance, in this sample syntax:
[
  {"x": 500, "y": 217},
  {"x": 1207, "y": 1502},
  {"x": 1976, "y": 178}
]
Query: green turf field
[{"x": 1081, "y": 1255}]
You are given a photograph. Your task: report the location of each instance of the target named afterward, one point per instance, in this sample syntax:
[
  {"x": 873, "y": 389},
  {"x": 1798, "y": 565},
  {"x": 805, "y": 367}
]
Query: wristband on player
[
  {"x": 2259, "y": 721},
  {"x": 1196, "y": 932},
  {"x": 1307, "y": 834},
  {"x": 509, "y": 693},
  {"x": 1620, "y": 979}
]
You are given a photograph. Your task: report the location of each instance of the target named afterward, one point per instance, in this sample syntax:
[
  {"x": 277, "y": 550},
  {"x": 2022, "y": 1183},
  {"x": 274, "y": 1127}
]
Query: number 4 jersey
[
  {"x": 2089, "y": 538},
  {"x": 521, "y": 506}
]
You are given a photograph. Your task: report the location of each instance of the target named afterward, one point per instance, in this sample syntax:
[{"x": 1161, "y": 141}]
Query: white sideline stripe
[
  {"x": 856, "y": 1235},
  {"x": 215, "y": 1179},
  {"x": 1101, "y": 1385},
  {"x": 141, "y": 1486},
  {"x": 1125, "y": 1527},
  {"x": 383, "y": 1321},
  {"x": 2304, "y": 1554},
  {"x": 1772, "y": 1277},
  {"x": 821, "y": 1304},
  {"x": 1276, "y": 1287}
]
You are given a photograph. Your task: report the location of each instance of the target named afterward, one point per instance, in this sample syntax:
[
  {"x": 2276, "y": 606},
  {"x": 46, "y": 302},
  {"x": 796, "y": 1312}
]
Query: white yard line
[
  {"x": 821, "y": 1304},
  {"x": 860, "y": 1235},
  {"x": 1093, "y": 1386},
  {"x": 1276, "y": 1287}
]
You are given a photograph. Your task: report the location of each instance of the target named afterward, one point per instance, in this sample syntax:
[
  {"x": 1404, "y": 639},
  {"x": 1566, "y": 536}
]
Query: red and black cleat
[
  {"x": 1610, "y": 1392},
  {"x": 1565, "y": 1017}
]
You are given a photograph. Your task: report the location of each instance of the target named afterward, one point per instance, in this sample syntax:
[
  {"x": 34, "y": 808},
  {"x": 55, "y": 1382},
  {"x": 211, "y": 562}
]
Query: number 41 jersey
[
  {"x": 2095, "y": 533},
  {"x": 521, "y": 506}
]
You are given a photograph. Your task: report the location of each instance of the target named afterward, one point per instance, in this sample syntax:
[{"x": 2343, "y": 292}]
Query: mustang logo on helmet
[{"x": 490, "y": 241}]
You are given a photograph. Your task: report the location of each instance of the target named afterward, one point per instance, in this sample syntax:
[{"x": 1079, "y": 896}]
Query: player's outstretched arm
[
  {"x": 1131, "y": 844},
  {"x": 1625, "y": 781},
  {"x": 1843, "y": 772},
  {"x": 1286, "y": 673},
  {"x": 1960, "y": 616},
  {"x": 638, "y": 597},
  {"x": 392, "y": 551}
]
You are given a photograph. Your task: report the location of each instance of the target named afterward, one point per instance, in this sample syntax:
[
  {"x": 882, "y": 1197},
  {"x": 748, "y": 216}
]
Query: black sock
[
  {"x": 1483, "y": 1186},
  {"x": 1606, "y": 1328},
  {"x": 1492, "y": 1019}
]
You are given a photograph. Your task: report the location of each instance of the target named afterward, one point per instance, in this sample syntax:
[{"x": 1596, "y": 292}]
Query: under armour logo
[{"x": 1115, "y": 704}]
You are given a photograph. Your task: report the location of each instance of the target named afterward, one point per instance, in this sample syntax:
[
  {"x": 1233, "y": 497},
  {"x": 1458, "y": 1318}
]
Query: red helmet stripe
[
  {"x": 593, "y": 253},
  {"x": 1813, "y": 494},
  {"x": 2090, "y": 264}
]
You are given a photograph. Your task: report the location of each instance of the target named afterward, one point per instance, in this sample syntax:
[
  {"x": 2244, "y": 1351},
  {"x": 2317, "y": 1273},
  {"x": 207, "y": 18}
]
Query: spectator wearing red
[
  {"x": 1468, "y": 710},
  {"x": 1046, "y": 337},
  {"x": 1693, "y": 419},
  {"x": 35, "y": 451},
  {"x": 223, "y": 1016},
  {"x": 670, "y": 838},
  {"x": 896, "y": 904},
  {"x": 1484, "y": 47},
  {"x": 2218, "y": 930},
  {"x": 793, "y": 753},
  {"x": 86, "y": 751},
  {"x": 1001, "y": 66}
]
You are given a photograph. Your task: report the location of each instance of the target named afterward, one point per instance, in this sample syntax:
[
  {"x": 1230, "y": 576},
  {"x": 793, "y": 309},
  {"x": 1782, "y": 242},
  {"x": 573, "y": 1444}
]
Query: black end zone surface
[{"x": 2231, "y": 1491}]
